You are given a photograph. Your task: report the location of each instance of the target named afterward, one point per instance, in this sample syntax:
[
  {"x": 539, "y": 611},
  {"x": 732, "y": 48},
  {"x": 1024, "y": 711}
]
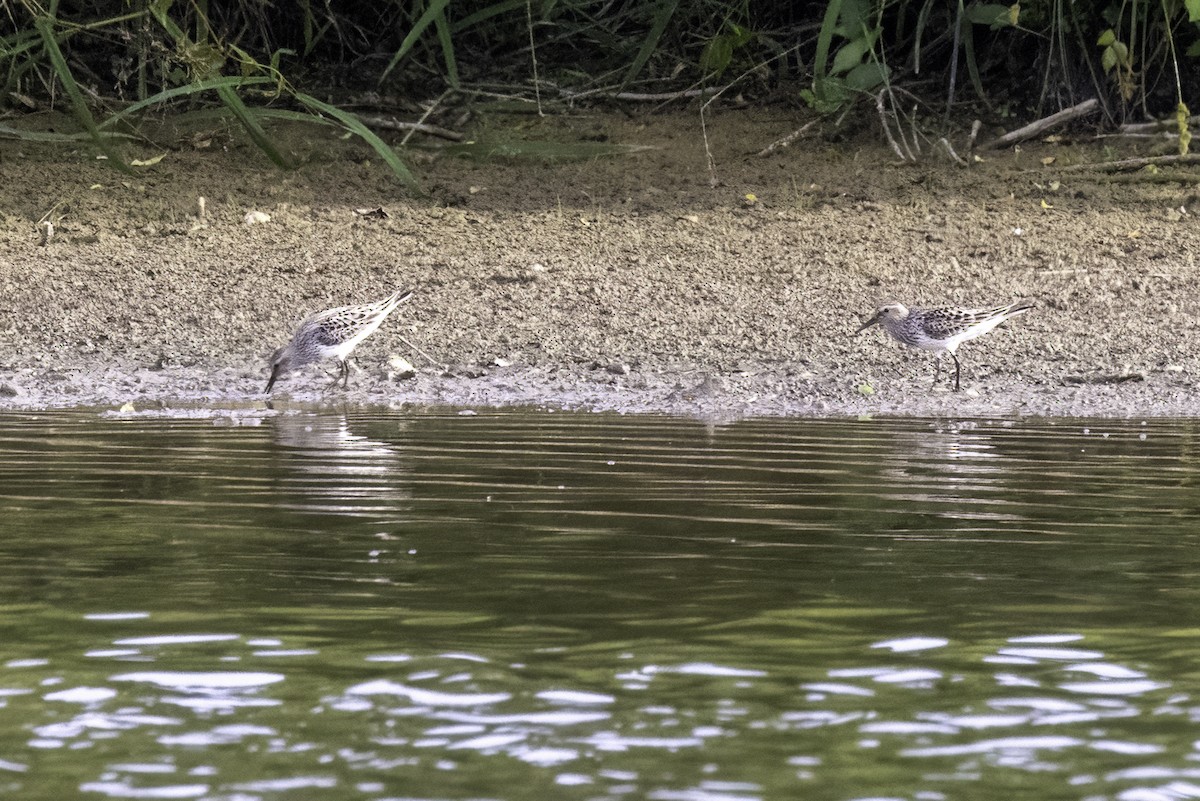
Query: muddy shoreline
[{"x": 624, "y": 284}]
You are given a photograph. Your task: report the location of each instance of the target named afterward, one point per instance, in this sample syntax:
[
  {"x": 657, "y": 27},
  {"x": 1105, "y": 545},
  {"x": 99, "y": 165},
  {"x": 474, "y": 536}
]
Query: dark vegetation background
[{"x": 933, "y": 63}]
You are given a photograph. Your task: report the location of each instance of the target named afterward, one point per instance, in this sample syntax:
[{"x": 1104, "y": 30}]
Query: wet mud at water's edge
[{"x": 627, "y": 283}]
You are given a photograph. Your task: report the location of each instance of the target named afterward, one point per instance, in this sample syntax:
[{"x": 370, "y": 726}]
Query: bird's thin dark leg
[
  {"x": 937, "y": 372},
  {"x": 957, "y": 369},
  {"x": 337, "y": 376},
  {"x": 345, "y": 374}
]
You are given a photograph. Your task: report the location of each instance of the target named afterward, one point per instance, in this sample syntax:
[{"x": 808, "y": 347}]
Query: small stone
[
  {"x": 256, "y": 218},
  {"x": 402, "y": 368},
  {"x": 618, "y": 368},
  {"x": 9, "y": 390},
  {"x": 500, "y": 361}
]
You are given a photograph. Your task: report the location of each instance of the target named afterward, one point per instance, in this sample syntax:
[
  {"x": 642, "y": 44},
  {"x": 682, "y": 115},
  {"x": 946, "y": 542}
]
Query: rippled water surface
[{"x": 573, "y": 606}]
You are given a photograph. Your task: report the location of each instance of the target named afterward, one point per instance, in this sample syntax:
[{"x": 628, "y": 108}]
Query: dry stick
[
  {"x": 537, "y": 92},
  {"x": 912, "y": 124},
  {"x": 640, "y": 97},
  {"x": 975, "y": 128},
  {"x": 1134, "y": 164},
  {"x": 425, "y": 116},
  {"x": 1139, "y": 128},
  {"x": 713, "y": 181},
  {"x": 420, "y": 352},
  {"x": 887, "y": 131},
  {"x": 787, "y": 141},
  {"x": 712, "y": 164},
  {"x": 411, "y": 127},
  {"x": 1035, "y": 128},
  {"x": 944, "y": 142}
]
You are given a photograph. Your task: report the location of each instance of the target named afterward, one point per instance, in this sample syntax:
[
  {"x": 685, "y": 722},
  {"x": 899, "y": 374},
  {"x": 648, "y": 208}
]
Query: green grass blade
[
  {"x": 423, "y": 22},
  {"x": 354, "y": 124},
  {"x": 482, "y": 14},
  {"x": 444, "y": 38},
  {"x": 45, "y": 26},
  {"x": 234, "y": 103},
  {"x": 45, "y": 136},
  {"x": 824, "y": 40},
  {"x": 181, "y": 91},
  {"x": 661, "y": 18},
  {"x": 968, "y": 36}
]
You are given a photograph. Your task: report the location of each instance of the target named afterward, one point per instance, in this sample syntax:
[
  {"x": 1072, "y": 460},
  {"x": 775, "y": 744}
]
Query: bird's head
[
  {"x": 281, "y": 362},
  {"x": 889, "y": 312}
]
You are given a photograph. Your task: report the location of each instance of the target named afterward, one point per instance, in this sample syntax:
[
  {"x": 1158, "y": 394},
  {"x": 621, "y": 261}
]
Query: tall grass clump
[{"x": 113, "y": 63}]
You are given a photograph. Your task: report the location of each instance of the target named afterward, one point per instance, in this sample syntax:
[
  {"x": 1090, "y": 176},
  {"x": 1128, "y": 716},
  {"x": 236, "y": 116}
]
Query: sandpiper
[
  {"x": 333, "y": 334},
  {"x": 941, "y": 329}
]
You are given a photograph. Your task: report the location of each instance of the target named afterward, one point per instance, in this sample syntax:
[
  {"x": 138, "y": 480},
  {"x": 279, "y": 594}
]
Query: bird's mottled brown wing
[{"x": 945, "y": 323}]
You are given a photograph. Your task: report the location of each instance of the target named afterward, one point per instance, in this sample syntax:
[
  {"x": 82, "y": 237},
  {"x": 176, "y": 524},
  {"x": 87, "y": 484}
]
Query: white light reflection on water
[{"x": 765, "y": 610}]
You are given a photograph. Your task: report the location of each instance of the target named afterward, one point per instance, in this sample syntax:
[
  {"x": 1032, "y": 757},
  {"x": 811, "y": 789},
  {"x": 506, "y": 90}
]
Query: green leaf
[
  {"x": 849, "y": 56},
  {"x": 827, "y": 96},
  {"x": 717, "y": 55},
  {"x": 856, "y": 15},
  {"x": 824, "y": 40},
  {"x": 1108, "y": 59},
  {"x": 354, "y": 124},
  {"x": 741, "y": 36},
  {"x": 991, "y": 14},
  {"x": 1108, "y": 37},
  {"x": 1193, "y": 9},
  {"x": 866, "y": 77}
]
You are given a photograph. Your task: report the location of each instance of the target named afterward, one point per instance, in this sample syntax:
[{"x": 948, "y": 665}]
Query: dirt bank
[{"x": 625, "y": 283}]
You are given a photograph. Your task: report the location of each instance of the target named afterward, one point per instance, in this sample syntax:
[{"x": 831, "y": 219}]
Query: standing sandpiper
[
  {"x": 333, "y": 334},
  {"x": 941, "y": 329}
]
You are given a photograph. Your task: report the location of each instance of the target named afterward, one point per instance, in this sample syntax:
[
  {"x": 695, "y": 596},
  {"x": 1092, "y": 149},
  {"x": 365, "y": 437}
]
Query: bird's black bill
[
  {"x": 271, "y": 380},
  {"x": 867, "y": 324}
]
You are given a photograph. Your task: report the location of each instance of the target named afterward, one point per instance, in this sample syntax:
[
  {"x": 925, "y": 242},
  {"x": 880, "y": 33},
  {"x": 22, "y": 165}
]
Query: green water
[{"x": 573, "y": 606}]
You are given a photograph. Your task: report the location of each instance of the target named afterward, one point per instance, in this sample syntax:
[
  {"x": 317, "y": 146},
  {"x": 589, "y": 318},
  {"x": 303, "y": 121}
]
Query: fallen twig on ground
[
  {"x": 1038, "y": 127},
  {"x": 787, "y": 141},
  {"x": 419, "y": 127},
  {"x": 1155, "y": 126},
  {"x": 1134, "y": 164}
]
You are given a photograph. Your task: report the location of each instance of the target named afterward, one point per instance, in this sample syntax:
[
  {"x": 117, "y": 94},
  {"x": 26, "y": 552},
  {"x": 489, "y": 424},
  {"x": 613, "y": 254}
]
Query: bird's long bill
[
  {"x": 869, "y": 323},
  {"x": 274, "y": 375}
]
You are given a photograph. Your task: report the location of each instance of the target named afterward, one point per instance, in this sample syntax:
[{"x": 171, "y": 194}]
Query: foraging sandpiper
[
  {"x": 333, "y": 334},
  {"x": 941, "y": 329}
]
